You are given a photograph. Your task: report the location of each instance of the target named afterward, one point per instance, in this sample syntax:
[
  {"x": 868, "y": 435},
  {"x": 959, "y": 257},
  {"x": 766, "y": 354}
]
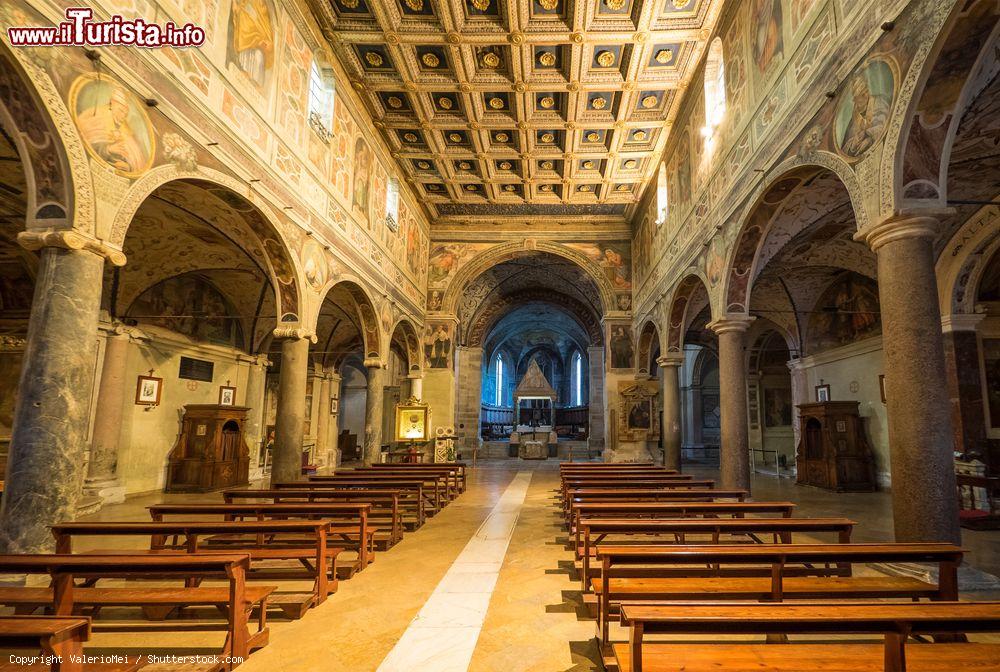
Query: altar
[{"x": 534, "y": 415}]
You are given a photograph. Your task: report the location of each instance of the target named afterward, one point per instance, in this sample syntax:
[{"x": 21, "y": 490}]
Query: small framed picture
[
  {"x": 227, "y": 396},
  {"x": 823, "y": 392},
  {"x": 334, "y": 405},
  {"x": 881, "y": 386},
  {"x": 147, "y": 391}
]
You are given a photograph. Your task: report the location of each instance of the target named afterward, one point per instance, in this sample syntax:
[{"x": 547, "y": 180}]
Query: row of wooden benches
[
  {"x": 639, "y": 567},
  {"x": 217, "y": 556}
]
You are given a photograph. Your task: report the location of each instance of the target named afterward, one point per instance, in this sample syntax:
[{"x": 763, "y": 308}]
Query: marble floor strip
[{"x": 444, "y": 633}]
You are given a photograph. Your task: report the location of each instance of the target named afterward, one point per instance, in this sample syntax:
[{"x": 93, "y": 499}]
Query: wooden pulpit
[{"x": 211, "y": 452}]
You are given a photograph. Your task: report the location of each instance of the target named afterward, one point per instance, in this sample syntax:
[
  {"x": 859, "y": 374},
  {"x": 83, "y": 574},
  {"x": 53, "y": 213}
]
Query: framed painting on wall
[
  {"x": 227, "y": 395},
  {"x": 334, "y": 405},
  {"x": 823, "y": 393},
  {"x": 147, "y": 391}
]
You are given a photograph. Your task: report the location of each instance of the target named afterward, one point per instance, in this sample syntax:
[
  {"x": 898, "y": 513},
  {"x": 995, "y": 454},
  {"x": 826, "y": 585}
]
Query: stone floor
[{"x": 496, "y": 579}]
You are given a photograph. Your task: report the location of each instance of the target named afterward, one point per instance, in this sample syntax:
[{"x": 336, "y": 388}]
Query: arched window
[
  {"x": 661, "y": 195},
  {"x": 392, "y": 204},
  {"x": 715, "y": 89},
  {"x": 321, "y": 100},
  {"x": 576, "y": 380},
  {"x": 498, "y": 364}
]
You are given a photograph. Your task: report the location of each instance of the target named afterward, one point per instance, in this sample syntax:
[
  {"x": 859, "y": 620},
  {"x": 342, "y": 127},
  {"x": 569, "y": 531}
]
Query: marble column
[
  {"x": 596, "y": 417},
  {"x": 417, "y": 385},
  {"x": 671, "y": 425},
  {"x": 924, "y": 504},
  {"x": 289, "y": 425},
  {"x": 373, "y": 411},
  {"x": 102, "y": 470},
  {"x": 323, "y": 420},
  {"x": 734, "y": 451},
  {"x": 333, "y": 431},
  {"x": 254, "y": 400},
  {"x": 51, "y": 416}
]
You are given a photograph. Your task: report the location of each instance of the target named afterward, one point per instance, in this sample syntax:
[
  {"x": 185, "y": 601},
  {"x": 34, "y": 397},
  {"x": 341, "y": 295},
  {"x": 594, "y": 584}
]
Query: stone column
[
  {"x": 925, "y": 507},
  {"x": 323, "y": 420},
  {"x": 289, "y": 425},
  {"x": 965, "y": 386},
  {"x": 417, "y": 385},
  {"x": 800, "y": 395},
  {"x": 254, "y": 400},
  {"x": 596, "y": 434},
  {"x": 671, "y": 425},
  {"x": 102, "y": 471},
  {"x": 333, "y": 431},
  {"x": 734, "y": 452},
  {"x": 373, "y": 411},
  {"x": 51, "y": 417}
]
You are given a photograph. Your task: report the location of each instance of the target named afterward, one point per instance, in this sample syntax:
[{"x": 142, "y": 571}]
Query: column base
[{"x": 106, "y": 490}]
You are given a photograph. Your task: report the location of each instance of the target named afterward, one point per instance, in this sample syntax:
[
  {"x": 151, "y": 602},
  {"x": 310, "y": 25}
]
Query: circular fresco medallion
[{"x": 113, "y": 124}]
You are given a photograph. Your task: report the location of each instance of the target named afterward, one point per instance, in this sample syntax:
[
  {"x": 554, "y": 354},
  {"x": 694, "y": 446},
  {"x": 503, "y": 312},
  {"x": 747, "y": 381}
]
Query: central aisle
[{"x": 485, "y": 580}]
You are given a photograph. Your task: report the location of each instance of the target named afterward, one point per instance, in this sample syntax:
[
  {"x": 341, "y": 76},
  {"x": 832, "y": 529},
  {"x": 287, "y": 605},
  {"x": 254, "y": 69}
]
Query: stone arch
[
  {"x": 962, "y": 263},
  {"x": 475, "y": 335},
  {"x": 678, "y": 315},
  {"x": 958, "y": 55},
  {"x": 766, "y": 204},
  {"x": 404, "y": 333},
  {"x": 507, "y": 251},
  {"x": 282, "y": 264},
  {"x": 60, "y": 190},
  {"x": 371, "y": 332},
  {"x": 649, "y": 339}
]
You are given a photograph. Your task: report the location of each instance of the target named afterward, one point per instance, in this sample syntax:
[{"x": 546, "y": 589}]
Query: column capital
[
  {"x": 374, "y": 363},
  {"x": 795, "y": 365},
  {"x": 961, "y": 321},
  {"x": 415, "y": 375},
  {"x": 70, "y": 240},
  {"x": 121, "y": 330},
  {"x": 728, "y": 323},
  {"x": 294, "y": 334},
  {"x": 903, "y": 225},
  {"x": 670, "y": 360}
]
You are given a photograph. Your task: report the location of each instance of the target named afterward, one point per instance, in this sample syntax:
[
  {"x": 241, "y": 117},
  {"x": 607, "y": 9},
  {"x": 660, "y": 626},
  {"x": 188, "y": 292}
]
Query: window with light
[
  {"x": 715, "y": 89},
  {"x": 498, "y": 396},
  {"x": 320, "y": 101},
  {"x": 661, "y": 195},
  {"x": 577, "y": 370},
  {"x": 392, "y": 204}
]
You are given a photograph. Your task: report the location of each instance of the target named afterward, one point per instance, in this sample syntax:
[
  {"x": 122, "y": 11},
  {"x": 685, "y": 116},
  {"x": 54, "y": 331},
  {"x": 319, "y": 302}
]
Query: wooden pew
[
  {"x": 764, "y": 572},
  {"x": 348, "y": 530},
  {"x": 64, "y": 598},
  {"x": 603, "y": 465},
  {"x": 431, "y": 494},
  {"x": 385, "y": 516},
  {"x": 411, "y": 496},
  {"x": 454, "y": 475},
  {"x": 58, "y": 637},
  {"x": 435, "y": 487},
  {"x": 460, "y": 467},
  {"x": 666, "y": 507},
  {"x": 894, "y": 622},
  {"x": 446, "y": 478},
  {"x": 300, "y": 541},
  {"x": 596, "y": 530},
  {"x": 629, "y": 494}
]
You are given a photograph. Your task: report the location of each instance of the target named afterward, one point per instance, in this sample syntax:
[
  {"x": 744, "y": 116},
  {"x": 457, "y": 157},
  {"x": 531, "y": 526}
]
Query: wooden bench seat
[
  {"x": 677, "y": 530},
  {"x": 663, "y": 491},
  {"x": 895, "y": 623},
  {"x": 60, "y": 637},
  {"x": 461, "y": 468},
  {"x": 853, "y": 657},
  {"x": 796, "y": 571},
  {"x": 235, "y": 600},
  {"x": 432, "y": 489}
]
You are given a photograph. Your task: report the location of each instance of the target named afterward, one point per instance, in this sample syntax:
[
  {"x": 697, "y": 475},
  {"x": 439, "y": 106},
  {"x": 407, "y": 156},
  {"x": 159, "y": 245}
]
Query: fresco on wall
[
  {"x": 864, "y": 109},
  {"x": 293, "y": 83},
  {"x": 846, "y": 312},
  {"x": 991, "y": 360},
  {"x": 438, "y": 345},
  {"x": 613, "y": 258},
  {"x": 768, "y": 42},
  {"x": 189, "y": 305},
  {"x": 250, "y": 46},
  {"x": 777, "y": 407},
  {"x": 620, "y": 345},
  {"x": 113, "y": 123},
  {"x": 362, "y": 175},
  {"x": 446, "y": 258},
  {"x": 799, "y": 9}
]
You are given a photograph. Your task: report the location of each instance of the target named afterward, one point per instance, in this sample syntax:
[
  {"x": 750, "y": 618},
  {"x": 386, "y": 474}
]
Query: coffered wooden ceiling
[{"x": 522, "y": 108}]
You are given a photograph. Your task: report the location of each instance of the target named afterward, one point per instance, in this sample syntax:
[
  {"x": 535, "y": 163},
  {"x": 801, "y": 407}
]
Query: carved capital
[
  {"x": 293, "y": 333},
  {"x": 671, "y": 360},
  {"x": 70, "y": 240},
  {"x": 731, "y": 323},
  {"x": 374, "y": 363},
  {"x": 901, "y": 226}
]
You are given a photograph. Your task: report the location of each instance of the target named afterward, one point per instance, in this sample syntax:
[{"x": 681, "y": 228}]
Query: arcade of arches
[{"x": 735, "y": 238}]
